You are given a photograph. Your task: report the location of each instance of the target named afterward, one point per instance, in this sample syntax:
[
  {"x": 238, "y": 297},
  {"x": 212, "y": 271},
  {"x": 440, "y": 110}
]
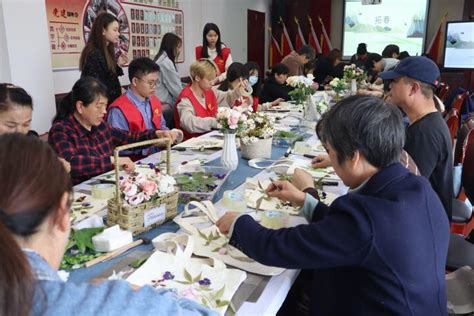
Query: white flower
[
  {"x": 334, "y": 82},
  {"x": 166, "y": 184},
  {"x": 310, "y": 77},
  {"x": 136, "y": 199},
  {"x": 131, "y": 190},
  {"x": 140, "y": 179}
]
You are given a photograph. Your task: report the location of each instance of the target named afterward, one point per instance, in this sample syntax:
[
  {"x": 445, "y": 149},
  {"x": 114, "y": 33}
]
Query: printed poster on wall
[{"x": 142, "y": 26}]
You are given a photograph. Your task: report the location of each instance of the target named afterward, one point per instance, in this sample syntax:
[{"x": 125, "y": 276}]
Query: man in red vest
[{"x": 139, "y": 109}]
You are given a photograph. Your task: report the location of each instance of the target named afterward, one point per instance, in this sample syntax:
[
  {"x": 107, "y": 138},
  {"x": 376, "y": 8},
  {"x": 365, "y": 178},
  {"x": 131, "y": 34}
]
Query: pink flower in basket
[
  {"x": 136, "y": 199},
  {"x": 140, "y": 179},
  {"x": 137, "y": 188},
  {"x": 150, "y": 188},
  {"x": 130, "y": 189}
]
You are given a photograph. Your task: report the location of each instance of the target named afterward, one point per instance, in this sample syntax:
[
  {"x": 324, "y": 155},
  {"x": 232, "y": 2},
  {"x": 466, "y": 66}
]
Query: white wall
[
  {"x": 4, "y": 62},
  {"x": 229, "y": 15},
  {"x": 437, "y": 9},
  {"x": 25, "y": 53},
  {"x": 25, "y": 48}
]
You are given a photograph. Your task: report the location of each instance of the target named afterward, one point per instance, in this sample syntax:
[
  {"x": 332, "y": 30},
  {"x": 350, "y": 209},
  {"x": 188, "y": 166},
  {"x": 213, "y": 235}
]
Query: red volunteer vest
[
  {"x": 133, "y": 115},
  {"x": 199, "y": 110},
  {"x": 242, "y": 100},
  {"x": 220, "y": 61},
  {"x": 255, "y": 103}
]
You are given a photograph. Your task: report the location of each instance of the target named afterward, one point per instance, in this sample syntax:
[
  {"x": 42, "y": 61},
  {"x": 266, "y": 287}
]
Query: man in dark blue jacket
[{"x": 378, "y": 250}]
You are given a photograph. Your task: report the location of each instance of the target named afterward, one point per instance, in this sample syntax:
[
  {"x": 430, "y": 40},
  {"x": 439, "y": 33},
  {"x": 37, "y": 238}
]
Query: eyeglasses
[{"x": 151, "y": 83}]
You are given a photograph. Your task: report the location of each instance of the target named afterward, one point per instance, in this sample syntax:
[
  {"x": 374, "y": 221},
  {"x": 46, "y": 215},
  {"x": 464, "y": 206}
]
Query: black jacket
[
  {"x": 272, "y": 90},
  {"x": 96, "y": 66}
]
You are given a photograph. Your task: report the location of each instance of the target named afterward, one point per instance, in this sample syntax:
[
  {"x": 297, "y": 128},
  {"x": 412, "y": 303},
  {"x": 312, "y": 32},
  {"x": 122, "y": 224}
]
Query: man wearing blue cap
[{"x": 428, "y": 141}]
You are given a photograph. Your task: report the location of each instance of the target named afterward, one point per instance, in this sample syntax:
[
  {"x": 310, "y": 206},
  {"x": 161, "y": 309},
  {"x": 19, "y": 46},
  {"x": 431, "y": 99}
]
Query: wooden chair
[
  {"x": 452, "y": 119},
  {"x": 464, "y": 139},
  {"x": 442, "y": 92},
  {"x": 459, "y": 101}
]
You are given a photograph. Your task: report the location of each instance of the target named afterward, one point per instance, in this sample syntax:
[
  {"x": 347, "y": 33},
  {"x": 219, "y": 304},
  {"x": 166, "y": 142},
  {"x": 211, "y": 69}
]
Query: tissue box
[{"x": 111, "y": 238}]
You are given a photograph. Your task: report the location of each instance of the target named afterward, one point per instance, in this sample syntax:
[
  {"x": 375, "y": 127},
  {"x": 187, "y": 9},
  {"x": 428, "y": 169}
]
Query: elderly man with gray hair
[{"x": 378, "y": 250}]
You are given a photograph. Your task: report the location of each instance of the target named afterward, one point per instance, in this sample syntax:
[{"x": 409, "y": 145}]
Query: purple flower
[
  {"x": 139, "y": 162},
  {"x": 184, "y": 162},
  {"x": 168, "y": 276},
  {"x": 204, "y": 282},
  {"x": 151, "y": 165},
  {"x": 85, "y": 204},
  {"x": 220, "y": 176},
  {"x": 121, "y": 177},
  {"x": 324, "y": 194},
  {"x": 211, "y": 186}
]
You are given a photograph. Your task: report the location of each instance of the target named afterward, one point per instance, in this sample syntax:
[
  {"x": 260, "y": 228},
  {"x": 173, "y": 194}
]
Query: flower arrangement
[
  {"x": 353, "y": 72},
  {"x": 232, "y": 120},
  {"x": 258, "y": 126},
  {"x": 338, "y": 85},
  {"x": 302, "y": 87},
  {"x": 322, "y": 106},
  {"x": 137, "y": 188}
]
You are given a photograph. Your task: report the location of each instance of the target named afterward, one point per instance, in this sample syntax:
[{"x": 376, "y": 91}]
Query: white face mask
[{"x": 253, "y": 80}]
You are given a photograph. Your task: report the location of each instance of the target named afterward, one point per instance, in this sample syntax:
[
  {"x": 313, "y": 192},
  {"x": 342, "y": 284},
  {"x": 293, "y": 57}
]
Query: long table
[{"x": 266, "y": 301}]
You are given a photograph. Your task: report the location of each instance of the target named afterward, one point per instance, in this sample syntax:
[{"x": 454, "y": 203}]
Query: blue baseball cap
[{"x": 416, "y": 67}]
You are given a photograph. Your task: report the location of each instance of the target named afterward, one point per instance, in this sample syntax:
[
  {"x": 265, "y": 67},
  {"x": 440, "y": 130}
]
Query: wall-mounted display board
[{"x": 142, "y": 26}]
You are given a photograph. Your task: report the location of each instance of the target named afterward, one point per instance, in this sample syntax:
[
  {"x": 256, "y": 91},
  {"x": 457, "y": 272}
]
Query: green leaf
[
  {"x": 70, "y": 243},
  {"x": 188, "y": 276},
  {"x": 220, "y": 303},
  {"x": 202, "y": 234},
  {"x": 219, "y": 293},
  {"x": 183, "y": 282},
  {"x": 83, "y": 238},
  {"x": 204, "y": 302},
  {"x": 137, "y": 263},
  {"x": 216, "y": 249},
  {"x": 197, "y": 278}
]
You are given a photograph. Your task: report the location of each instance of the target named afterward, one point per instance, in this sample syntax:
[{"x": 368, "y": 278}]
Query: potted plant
[{"x": 256, "y": 138}]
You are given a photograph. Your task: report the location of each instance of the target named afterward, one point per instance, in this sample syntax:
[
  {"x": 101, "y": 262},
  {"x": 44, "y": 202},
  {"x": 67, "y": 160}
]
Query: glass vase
[
  {"x": 229, "y": 158},
  {"x": 353, "y": 87}
]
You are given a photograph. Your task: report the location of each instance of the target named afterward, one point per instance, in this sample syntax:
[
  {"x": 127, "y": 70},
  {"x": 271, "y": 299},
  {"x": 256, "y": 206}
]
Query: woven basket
[
  {"x": 262, "y": 148},
  {"x": 132, "y": 218}
]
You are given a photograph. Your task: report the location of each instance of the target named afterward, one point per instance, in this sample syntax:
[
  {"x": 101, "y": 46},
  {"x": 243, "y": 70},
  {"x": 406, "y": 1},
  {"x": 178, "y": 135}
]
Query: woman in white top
[
  {"x": 169, "y": 87},
  {"x": 213, "y": 49}
]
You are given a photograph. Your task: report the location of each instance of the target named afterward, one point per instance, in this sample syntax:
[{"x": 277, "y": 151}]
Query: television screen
[
  {"x": 459, "y": 45},
  {"x": 399, "y": 22}
]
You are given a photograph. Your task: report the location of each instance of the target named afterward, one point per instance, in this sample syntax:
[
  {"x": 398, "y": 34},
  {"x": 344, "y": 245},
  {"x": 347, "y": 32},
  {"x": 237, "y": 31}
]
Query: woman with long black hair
[
  {"x": 213, "y": 49},
  {"x": 98, "y": 56}
]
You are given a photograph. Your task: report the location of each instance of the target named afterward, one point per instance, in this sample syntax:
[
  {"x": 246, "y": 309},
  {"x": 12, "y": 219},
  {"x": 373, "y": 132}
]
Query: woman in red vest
[
  {"x": 213, "y": 49},
  {"x": 197, "y": 104}
]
